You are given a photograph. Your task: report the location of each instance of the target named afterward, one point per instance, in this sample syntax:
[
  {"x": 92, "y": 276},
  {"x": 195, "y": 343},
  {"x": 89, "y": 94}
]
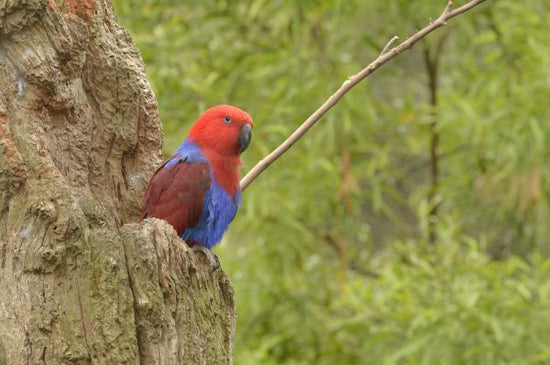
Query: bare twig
[
  {"x": 389, "y": 44},
  {"x": 384, "y": 57}
]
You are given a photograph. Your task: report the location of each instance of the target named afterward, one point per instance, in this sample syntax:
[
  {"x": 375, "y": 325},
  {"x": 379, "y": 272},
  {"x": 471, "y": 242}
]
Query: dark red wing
[{"x": 176, "y": 193}]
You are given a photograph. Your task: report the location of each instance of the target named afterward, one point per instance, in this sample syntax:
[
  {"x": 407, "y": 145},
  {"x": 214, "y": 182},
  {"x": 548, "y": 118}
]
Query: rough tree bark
[{"x": 79, "y": 137}]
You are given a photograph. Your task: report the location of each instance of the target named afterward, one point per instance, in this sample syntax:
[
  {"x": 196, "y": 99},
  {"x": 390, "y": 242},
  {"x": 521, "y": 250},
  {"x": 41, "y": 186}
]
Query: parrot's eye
[{"x": 227, "y": 120}]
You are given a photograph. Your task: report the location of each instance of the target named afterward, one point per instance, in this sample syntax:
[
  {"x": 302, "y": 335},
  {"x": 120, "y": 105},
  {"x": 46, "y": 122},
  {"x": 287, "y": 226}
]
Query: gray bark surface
[{"x": 80, "y": 281}]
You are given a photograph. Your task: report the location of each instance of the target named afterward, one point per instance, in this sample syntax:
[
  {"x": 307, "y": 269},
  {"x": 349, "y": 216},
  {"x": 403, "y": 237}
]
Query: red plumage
[{"x": 218, "y": 143}]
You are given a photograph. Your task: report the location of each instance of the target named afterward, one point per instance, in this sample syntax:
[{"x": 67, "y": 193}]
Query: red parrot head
[{"x": 224, "y": 129}]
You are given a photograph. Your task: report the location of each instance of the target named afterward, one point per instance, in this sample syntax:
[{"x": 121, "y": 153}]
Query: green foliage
[
  {"x": 450, "y": 306},
  {"x": 329, "y": 255},
  {"x": 453, "y": 305}
]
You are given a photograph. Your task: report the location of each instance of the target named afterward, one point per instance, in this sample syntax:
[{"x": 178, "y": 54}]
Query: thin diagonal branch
[{"x": 447, "y": 14}]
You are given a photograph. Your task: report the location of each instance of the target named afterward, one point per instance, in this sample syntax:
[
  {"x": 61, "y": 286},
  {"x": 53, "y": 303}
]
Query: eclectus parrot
[{"x": 197, "y": 189}]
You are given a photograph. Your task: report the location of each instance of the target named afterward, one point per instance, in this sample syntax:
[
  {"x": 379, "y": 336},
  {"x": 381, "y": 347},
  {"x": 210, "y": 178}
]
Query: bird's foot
[{"x": 212, "y": 258}]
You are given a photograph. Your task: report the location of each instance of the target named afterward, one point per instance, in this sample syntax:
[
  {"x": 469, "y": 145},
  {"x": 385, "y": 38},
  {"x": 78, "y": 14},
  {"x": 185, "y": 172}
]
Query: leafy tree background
[{"x": 330, "y": 255}]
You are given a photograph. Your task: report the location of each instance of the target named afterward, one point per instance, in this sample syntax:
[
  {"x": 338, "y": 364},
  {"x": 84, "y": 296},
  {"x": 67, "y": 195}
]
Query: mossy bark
[{"x": 80, "y": 281}]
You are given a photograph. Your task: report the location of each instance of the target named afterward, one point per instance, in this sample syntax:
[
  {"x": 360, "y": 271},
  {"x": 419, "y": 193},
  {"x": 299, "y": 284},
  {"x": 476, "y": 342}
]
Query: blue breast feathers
[
  {"x": 218, "y": 209},
  {"x": 217, "y": 212}
]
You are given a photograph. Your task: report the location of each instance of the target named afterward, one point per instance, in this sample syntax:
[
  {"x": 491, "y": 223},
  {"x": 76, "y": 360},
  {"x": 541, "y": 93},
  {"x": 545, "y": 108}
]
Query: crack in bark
[
  {"x": 28, "y": 348},
  {"x": 159, "y": 279},
  {"x": 43, "y": 356},
  {"x": 176, "y": 309},
  {"x": 81, "y": 309},
  {"x": 134, "y": 301}
]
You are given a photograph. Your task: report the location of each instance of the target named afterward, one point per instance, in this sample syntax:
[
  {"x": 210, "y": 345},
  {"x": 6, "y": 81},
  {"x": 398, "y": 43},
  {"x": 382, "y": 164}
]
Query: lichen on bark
[{"x": 81, "y": 281}]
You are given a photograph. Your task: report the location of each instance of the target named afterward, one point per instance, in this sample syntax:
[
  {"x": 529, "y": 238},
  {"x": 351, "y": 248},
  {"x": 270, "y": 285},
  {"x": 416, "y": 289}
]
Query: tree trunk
[{"x": 80, "y": 281}]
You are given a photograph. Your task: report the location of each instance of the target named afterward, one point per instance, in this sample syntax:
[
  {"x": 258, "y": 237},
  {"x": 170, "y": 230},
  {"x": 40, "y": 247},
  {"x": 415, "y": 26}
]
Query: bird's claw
[{"x": 213, "y": 259}]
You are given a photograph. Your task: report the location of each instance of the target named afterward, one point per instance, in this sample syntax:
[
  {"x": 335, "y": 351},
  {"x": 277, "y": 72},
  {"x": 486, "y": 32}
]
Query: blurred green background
[{"x": 411, "y": 225}]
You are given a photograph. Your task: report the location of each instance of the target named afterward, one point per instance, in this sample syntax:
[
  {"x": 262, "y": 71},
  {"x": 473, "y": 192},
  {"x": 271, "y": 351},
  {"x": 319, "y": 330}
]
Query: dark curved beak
[{"x": 245, "y": 135}]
